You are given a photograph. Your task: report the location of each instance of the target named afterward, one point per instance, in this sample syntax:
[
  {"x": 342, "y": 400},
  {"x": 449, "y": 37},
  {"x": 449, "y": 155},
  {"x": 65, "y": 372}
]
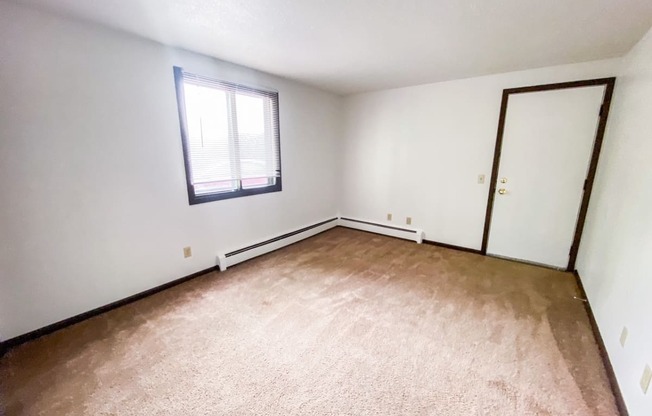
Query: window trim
[{"x": 193, "y": 197}]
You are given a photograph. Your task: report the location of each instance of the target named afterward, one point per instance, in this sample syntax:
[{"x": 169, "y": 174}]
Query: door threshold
[{"x": 531, "y": 263}]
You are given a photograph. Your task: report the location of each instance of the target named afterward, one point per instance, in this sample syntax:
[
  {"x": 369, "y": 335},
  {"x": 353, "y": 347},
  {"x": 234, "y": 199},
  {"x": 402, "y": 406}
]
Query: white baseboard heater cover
[
  {"x": 413, "y": 234},
  {"x": 225, "y": 260}
]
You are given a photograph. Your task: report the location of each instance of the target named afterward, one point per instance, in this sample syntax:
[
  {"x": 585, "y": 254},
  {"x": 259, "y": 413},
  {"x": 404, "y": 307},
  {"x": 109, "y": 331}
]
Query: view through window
[{"x": 231, "y": 138}]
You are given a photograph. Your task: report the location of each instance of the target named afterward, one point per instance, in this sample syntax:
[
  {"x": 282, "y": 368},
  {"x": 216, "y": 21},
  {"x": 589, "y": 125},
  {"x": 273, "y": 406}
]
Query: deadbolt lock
[{"x": 503, "y": 180}]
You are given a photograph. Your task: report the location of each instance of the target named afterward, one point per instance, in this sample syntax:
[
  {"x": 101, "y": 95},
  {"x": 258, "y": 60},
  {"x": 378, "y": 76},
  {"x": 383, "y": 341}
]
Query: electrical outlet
[
  {"x": 481, "y": 178},
  {"x": 623, "y": 336},
  {"x": 408, "y": 220},
  {"x": 389, "y": 217},
  {"x": 187, "y": 252},
  {"x": 645, "y": 379}
]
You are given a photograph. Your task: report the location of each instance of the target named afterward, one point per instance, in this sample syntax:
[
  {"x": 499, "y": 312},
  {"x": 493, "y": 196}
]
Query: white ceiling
[{"x": 350, "y": 46}]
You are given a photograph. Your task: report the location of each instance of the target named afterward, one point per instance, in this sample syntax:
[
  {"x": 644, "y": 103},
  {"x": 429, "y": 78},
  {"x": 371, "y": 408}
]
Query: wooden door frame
[{"x": 593, "y": 165}]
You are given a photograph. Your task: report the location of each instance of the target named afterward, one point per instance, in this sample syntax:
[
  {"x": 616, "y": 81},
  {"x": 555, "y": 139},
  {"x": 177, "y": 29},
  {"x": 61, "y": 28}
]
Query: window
[{"x": 230, "y": 135}]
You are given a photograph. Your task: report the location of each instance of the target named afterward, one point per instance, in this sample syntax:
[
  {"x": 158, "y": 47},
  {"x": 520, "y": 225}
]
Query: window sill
[{"x": 200, "y": 199}]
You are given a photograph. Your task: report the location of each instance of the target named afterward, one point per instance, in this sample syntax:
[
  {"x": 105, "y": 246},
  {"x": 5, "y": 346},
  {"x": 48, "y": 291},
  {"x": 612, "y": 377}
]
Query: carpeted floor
[{"x": 345, "y": 323}]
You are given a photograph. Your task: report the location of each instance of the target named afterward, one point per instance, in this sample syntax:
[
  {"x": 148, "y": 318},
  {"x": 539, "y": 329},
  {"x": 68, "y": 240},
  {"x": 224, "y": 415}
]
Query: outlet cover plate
[
  {"x": 187, "y": 252},
  {"x": 408, "y": 220},
  {"x": 389, "y": 217}
]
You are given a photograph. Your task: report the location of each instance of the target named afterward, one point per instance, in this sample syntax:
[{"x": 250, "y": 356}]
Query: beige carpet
[{"x": 345, "y": 323}]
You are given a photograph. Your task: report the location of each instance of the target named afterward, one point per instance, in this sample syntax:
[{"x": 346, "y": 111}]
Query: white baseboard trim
[
  {"x": 227, "y": 259},
  {"x": 413, "y": 234}
]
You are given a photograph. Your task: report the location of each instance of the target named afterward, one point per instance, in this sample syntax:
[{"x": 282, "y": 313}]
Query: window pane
[
  {"x": 257, "y": 182},
  {"x": 255, "y": 139},
  {"x": 213, "y": 187},
  {"x": 251, "y": 114},
  {"x": 208, "y": 138}
]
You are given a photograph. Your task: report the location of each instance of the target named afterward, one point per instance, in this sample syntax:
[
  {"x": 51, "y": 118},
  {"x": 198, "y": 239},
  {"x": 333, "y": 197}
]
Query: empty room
[{"x": 326, "y": 207}]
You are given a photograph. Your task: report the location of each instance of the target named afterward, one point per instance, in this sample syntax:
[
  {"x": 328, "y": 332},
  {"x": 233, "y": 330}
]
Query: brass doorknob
[{"x": 502, "y": 191}]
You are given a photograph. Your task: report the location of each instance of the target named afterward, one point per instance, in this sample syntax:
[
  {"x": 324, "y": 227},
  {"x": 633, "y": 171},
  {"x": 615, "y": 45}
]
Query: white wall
[
  {"x": 417, "y": 151},
  {"x": 94, "y": 205},
  {"x": 615, "y": 258}
]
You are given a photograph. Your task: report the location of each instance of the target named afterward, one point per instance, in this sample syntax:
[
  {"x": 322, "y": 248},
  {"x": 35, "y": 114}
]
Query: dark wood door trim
[
  {"x": 609, "y": 83},
  {"x": 494, "y": 171}
]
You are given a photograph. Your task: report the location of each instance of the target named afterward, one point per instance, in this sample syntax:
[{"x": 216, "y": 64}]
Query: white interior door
[{"x": 547, "y": 145}]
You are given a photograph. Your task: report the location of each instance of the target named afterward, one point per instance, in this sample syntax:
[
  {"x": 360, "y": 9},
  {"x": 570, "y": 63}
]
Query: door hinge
[
  {"x": 601, "y": 110},
  {"x": 585, "y": 183}
]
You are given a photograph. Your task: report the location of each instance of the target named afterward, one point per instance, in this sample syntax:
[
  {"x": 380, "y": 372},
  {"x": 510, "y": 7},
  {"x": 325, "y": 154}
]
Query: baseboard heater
[
  {"x": 413, "y": 234},
  {"x": 225, "y": 260}
]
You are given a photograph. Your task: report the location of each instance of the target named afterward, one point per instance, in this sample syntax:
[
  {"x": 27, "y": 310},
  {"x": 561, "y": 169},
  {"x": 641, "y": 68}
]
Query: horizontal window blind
[{"x": 231, "y": 135}]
